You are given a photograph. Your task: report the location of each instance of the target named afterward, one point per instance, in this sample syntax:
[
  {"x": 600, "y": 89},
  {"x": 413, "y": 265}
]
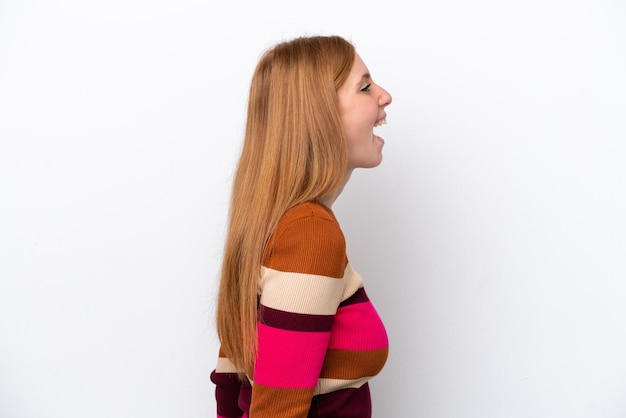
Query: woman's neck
[{"x": 329, "y": 200}]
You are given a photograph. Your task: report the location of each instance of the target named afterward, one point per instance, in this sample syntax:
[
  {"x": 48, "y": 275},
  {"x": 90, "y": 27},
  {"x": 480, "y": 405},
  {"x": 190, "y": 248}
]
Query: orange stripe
[
  {"x": 268, "y": 402},
  {"x": 353, "y": 364},
  {"x": 307, "y": 240}
]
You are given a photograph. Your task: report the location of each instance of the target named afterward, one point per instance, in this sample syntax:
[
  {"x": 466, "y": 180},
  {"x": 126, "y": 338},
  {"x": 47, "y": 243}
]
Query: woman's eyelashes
[{"x": 366, "y": 88}]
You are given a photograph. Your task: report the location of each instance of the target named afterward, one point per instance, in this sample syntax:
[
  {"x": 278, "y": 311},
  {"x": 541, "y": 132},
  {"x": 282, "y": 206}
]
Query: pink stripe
[
  {"x": 289, "y": 359},
  {"x": 358, "y": 327}
]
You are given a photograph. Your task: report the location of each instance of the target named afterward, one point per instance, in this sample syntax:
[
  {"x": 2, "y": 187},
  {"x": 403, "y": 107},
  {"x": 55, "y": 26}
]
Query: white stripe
[
  {"x": 353, "y": 281},
  {"x": 224, "y": 365},
  {"x": 300, "y": 293},
  {"x": 307, "y": 293},
  {"x": 325, "y": 385}
]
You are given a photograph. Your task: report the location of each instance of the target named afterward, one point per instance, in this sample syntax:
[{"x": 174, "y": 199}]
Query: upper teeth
[{"x": 380, "y": 122}]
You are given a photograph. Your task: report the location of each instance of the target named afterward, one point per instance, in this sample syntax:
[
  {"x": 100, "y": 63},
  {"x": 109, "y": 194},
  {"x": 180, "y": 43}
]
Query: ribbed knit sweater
[{"x": 320, "y": 339}]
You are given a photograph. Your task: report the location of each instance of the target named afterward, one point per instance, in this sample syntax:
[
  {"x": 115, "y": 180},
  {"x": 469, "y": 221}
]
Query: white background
[{"x": 492, "y": 237}]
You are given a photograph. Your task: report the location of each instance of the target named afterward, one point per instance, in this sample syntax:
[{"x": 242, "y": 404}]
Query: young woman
[{"x": 299, "y": 336}]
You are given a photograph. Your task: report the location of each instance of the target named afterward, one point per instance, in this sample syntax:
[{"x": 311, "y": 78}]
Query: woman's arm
[{"x": 301, "y": 287}]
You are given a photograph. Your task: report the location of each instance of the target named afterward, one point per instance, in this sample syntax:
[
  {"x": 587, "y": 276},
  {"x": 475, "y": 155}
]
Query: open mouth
[{"x": 380, "y": 122}]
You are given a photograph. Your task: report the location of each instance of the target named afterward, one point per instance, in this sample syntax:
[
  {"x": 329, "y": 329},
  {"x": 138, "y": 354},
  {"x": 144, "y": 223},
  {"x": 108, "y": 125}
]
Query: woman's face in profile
[{"x": 362, "y": 108}]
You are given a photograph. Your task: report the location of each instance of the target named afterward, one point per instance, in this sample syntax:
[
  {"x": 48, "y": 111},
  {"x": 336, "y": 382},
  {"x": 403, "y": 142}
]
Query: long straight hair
[{"x": 294, "y": 151}]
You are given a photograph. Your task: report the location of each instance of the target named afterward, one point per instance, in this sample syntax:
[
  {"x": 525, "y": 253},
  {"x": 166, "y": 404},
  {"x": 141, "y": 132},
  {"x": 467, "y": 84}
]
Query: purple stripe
[
  {"x": 358, "y": 297},
  {"x": 343, "y": 403},
  {"x": 291, "y": 321},
  {"x": 227, "y": 387}
]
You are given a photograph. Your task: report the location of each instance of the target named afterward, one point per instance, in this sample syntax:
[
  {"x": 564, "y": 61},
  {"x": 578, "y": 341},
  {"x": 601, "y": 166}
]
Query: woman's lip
[{"x": 380, "y": 122}]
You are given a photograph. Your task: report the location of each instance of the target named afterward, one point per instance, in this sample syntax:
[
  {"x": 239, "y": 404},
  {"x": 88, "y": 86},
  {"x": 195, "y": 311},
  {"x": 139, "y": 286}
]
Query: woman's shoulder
[
  {"x": 308, "y": 210},
  {"x": 310, "y": 219},
  {"x": 307, "y": 239}
]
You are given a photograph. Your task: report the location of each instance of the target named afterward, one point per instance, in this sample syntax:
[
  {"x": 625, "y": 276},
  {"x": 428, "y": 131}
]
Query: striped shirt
[{"x": 320, "y": 339}]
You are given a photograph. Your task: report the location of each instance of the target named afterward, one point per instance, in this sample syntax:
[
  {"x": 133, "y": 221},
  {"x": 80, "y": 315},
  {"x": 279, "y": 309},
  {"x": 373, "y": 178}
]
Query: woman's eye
[{"x": 366, "y": 88}]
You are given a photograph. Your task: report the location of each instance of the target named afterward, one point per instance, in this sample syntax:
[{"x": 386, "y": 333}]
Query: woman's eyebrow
[{"x": 365, "y": 77}]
